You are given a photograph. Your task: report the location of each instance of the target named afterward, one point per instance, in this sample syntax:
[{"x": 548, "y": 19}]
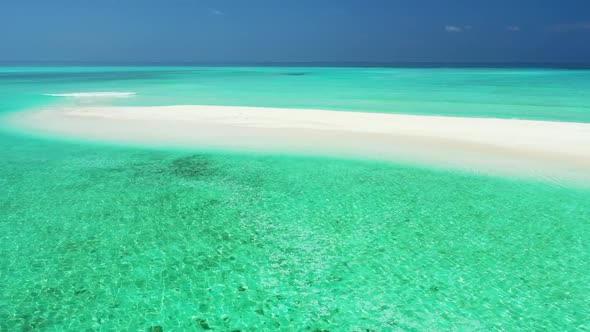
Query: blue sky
[{"x": 295, "y": 30}]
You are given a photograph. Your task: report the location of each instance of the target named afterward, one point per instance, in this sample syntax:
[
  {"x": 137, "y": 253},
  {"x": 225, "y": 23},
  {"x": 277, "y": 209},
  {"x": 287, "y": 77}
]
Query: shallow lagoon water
[
  {"x": 543, "y": 94},
  {"x": 105, "y": 238}
]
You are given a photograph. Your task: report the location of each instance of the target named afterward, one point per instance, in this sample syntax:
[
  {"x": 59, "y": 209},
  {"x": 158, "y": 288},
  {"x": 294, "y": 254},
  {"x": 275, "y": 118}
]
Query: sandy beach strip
[{"x": 558, "y": 151}]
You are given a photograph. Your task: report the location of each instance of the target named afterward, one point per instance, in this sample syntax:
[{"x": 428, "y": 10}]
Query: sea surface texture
[{"x": 112, "y": 238}]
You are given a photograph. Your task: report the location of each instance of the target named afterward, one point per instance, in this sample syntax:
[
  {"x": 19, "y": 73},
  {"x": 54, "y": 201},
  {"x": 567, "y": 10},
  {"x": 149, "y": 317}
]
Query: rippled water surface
[{"x": 118, "y": 238}]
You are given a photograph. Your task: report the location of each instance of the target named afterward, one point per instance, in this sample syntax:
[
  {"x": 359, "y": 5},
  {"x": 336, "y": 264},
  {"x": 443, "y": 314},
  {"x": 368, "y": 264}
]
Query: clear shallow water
[
  {"x": 104, "y": 238},
  {"x": 550, "y": 94}
]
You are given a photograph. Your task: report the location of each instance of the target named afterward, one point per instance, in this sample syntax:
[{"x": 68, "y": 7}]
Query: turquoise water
[
  {"x": 104, "y": 238},
  {"x": 561, "y": 95}
]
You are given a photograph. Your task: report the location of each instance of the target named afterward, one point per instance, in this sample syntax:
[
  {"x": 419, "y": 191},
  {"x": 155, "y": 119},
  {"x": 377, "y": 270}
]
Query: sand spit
[{"x": 557, "y": 151}]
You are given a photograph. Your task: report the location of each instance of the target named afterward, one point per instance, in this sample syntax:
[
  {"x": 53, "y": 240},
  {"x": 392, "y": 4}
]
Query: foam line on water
[{"x": 92, "y": 94}]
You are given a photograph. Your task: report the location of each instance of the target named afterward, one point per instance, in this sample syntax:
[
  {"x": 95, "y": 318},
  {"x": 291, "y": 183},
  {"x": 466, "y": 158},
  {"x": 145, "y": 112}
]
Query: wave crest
[{"x": 92, "y": 94}]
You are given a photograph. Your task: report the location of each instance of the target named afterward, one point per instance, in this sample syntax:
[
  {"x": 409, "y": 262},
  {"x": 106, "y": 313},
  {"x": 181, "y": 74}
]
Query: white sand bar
[{"x": 550, "y": 150}]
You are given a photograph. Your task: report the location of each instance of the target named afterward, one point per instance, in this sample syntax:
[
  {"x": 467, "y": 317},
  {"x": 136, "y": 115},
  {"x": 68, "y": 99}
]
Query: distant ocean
[{"x": 100, "y": 237}]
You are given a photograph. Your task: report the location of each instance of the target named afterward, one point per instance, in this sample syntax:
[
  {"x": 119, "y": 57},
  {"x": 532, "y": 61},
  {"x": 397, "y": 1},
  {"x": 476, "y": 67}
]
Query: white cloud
[
  {"x": 455, "y": 28},
  {"x": 452, "y": 28},
  {"x": 214, "y": 11},
  {"x": 513, "y": 28}
]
